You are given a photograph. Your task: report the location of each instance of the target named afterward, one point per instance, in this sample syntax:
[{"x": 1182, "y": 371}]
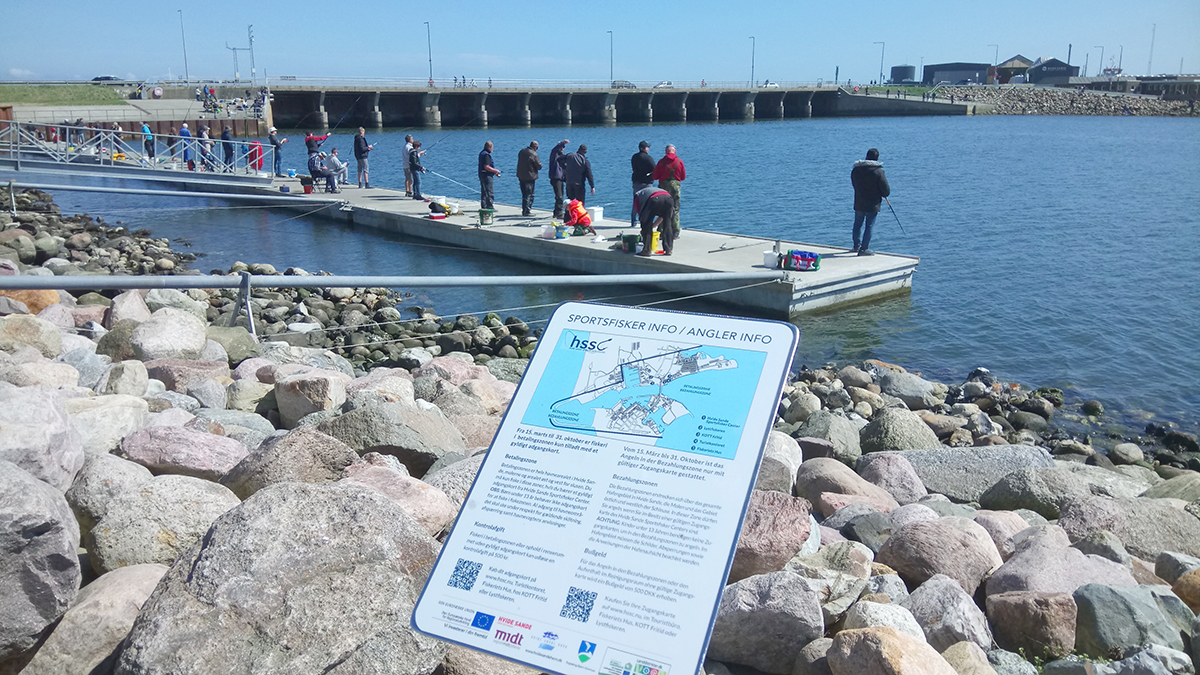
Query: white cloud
[{"x": 20, "y": 72}]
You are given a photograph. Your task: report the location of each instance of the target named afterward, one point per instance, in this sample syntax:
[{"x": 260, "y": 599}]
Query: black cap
[{"x": 643, "y": 145}]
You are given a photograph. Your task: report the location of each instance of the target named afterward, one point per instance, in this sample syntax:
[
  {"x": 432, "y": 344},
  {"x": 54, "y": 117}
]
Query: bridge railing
[
  {"x": 486, "y": 84},
  {"x": 130, "y": 148}
]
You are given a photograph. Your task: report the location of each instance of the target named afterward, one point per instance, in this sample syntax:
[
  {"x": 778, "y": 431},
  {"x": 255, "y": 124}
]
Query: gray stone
[
  {"x": 890, "y": 585},
  {"x": 156, "y": 522},
  {"x": 1046, "y": 489},
  {"x": 1027, "y": 420},
  {"x": 418, "y": 437},
  {"x": 800, "y": 407},
  {"x": 917, "y": 393},
  {"x": 947, "y": 614},
  {"x": 774, "y": 529},
  {"x": 1114, "y": 620},
  {"x": 836, "y": 429},
  {"x": 182, "y": 451},
  {"x": 811, "y": 660},
  {"x": 1106, "y": 545},
  {"x": 1126, "y": 453},
  {"x": 232, "y": 418},
  {"x": 244, "y": 601},
  {"x": 1044, "y": 561},
  {"x": 38, "y": 436},
  {"x": 280, "y": 353},
  {"x": 426, "y": 504},
  {"x": 911, "y": 513},
  {"x": 837, "y": 573},
  {"x": 854, "y": 377},
  {"x": 209, "y": 393},
  {"x": 842, "y": 517},
  {"x": 246, "y": 395},
  {"x": 10, "y": 306},
  {"x": 213, "y": 351},
  {"x": 1146, "y": 527},
  {"x": 509, "y": 370},
  {"x": 1169, "y": 566},
  {"x": 102, "y": 421},
  {"x": 781, "y": 460},
  {"x": 40, "y": 373},
  {"x": 1008, "y": 663},
  {"x": 88, "y": 364},
  {"x": 304, "y": 393},
  {"x": 90, "y": 633},
  {"x": 39, "y": 571},
  {"x": 304, "y": 455},
  {"x": 168, "y": 334},
  {"x": 866, "y": 614},
  {"x": 764, "y": 621},
  {"x": 894, "y": 473},
  {"x": 871, "y": 529},
  {"x": 965, "y": 474},
  {"x": 176, "y": 400},
  {"x": 465, "y": 661},
  {"x": 102, "y": 478},
  {"x": 127, "y": 377},
  {"x": 1002, "y": 526},
  {"x": 169, "y": 297},
  {"x": 897, "y": 429},
  {"x": 237, "y": 342},
  {"x": 456, "y": 479},
  {"x": 1185, "y": 486},
  {"x": 21, "y": 329},
  {"x": 921, "y": 550}
]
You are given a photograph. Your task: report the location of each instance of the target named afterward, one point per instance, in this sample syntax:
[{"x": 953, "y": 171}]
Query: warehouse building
[
  {"x": 956, "y": 73},
  {"x": 1050, "y": 71}
]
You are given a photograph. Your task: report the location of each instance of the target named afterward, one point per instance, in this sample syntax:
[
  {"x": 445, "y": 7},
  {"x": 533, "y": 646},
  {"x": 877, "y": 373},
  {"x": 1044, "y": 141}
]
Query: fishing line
[
  {"x": 454, "y": 181},
  {"x": 348, "y": 111},
  {"x": 449, "y": 133}
]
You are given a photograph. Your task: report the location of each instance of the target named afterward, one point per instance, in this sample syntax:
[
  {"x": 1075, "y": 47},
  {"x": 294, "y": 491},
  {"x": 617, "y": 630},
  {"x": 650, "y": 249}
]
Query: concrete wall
[{"x": 851, "y": 105}]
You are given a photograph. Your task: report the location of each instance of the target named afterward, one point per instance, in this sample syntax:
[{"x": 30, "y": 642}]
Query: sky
[{"x": 795, "y": 40}]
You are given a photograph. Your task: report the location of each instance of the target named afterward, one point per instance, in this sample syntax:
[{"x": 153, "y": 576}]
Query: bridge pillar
[
  {"x": 431, "y": 115},
  {"x": 376, "y": 115},
  {"x": 748, "y": 108},
  {"x": 716, "y": 108},
  {"x": 806, "y": 105},
  {"x": 479, "y": 104},
  {"x": 681, "y": 110},
  {"x": 526, "y": 116},
  {"x": 609, "y": 113},
  {"x": 322, "y": 116},
  {"x": 567, "y": 109}
]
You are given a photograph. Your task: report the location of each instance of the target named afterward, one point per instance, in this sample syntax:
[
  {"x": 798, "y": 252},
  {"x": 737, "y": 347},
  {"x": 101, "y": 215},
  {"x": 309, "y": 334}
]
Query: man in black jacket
[
  {"x": 528, "y": 165},
  {"x": 870, "y": 187},
  {"x": 487, "y": 175},
  {"x": 643, "y": 167},
  {"x": 361, "y": 150},
  {"x": 577, "y": 169}
]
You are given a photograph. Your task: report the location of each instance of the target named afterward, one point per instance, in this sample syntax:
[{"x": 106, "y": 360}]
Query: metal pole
[
  {"x": 1087, "y": 60},
  {"x": 753, "y": 42},
  {"x": 610, "y": 57},
  {"x": 1150, "y": 61},
  {"x": 1121, "y": 59},
  {"x": 996, "y": 58},
  {"x": 186, "y": 76},
  {"x": 882, "y": 47},
  {"x": 12, "y": 195},
  {"x": 236, "y": 75},
  {"x": 253, "y": 72},
  {"x": 429, "y": 44},
  {"x": 1101, "y": 71}
]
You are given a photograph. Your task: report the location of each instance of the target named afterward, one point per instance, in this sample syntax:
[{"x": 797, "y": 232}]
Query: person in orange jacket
[{"x": 579, "y": 216}]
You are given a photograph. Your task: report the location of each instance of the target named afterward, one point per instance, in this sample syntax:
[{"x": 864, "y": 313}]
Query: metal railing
[
  {"x": 132, "y": 148},
  {"x": 486, "y": 84}
]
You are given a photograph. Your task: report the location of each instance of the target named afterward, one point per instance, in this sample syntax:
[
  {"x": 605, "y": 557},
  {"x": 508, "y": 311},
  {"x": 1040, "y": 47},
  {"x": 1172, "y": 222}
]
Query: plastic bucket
[
  {"x": 561, "y": 232},
  {"x": 486, "y": 216},
  {"x": 654, "y": 245},
  {"x": 308, "y": 189},
  {"x": 770, "y": 259},
  {"x": 549, "y": 232},
  {"x": 291, "y": 173},
  {"x": 629, "y": 242}
]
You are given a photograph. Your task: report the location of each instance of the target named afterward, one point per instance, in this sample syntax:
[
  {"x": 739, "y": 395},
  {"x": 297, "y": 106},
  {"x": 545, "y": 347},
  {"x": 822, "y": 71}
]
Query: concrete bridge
[{"x": 318, "y": 106}]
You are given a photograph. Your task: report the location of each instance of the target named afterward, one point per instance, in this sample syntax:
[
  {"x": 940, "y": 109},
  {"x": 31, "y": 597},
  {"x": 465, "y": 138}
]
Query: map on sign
[{"x": 677, "y": 395}]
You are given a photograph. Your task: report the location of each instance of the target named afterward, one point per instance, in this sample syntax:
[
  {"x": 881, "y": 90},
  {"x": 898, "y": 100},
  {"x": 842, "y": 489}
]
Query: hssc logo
[
  {"x": 586, "y": 651},
  {"x": 483, "y": 621},
  {"x": 589, "y": 345}
]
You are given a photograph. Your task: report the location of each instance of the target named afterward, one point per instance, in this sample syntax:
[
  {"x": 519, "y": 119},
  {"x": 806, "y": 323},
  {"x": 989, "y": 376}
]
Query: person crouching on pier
[
  {"x": 655, "y": 207},
  {"x": 579, "y": 217}
]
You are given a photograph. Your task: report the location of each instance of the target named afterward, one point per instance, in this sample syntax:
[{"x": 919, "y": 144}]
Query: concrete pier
[{"x": 843, "y": 277}]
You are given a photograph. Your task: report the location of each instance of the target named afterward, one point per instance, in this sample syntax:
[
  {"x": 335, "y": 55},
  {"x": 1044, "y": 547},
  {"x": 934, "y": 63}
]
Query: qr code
[
  {"x": 465, "y": 573},
  {"x": 578, "y": 605}
]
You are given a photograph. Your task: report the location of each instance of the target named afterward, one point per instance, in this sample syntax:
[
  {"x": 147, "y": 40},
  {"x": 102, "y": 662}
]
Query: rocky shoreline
[
  {"x": 1041, "y": 101},
  {"x": 176, "y": 496}
]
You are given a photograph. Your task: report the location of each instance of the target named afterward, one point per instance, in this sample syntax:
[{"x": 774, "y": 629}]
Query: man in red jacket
[{"x": 669, "y": 173}]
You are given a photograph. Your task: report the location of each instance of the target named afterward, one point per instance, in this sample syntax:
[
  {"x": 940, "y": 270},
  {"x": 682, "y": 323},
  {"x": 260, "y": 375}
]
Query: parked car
[
  {"x": 623, "y": 84},
  {"x": 665, "y": 84},
  {"x": 771, "y": 85},
  {"x": 106, "y": 78}
]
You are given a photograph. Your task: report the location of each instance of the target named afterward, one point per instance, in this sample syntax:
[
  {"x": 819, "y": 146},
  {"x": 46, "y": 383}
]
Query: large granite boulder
[
  {"x": 836, "y": 429},
  {"x": 1113, "y": 621},
  {"x": 304, "y": 455},
  {"x": 417, "y": 436},
  {"x": 281, "y": 353},
  {"x": 426, "y": 504},
  {"x": 775, "y": 528},
  {"x": 917, "y": 393},
  {"x": 964, "y": 474},
  {"x": 883, "y": 650},
  {"x": 764, "y": 621},
  {"x": 1034, "y": 623},
  {"x": 21, "y": 329},
  {"x": 183, "y": 451},
  {"x": 300, "y": 578},
  {"x": 158, "y": 298},
  {"x": 923, "y": 549},
  {"x": 36, "y": 434},
  {"x": 1146, "y": 527},
  {"x": 102, "y": 421},
  {"x": 865, "y": 614},
  {"x": 128, "y": 306},
  {"x": 1046, "y": 489},
  {"x": 892, "y": 472},
  {"x": 456, "y": 479},
  {"x": 180, "y": 374},
  {"x": 1185, "y": 486},
  {"x": 1045, "y": 561},
  {"x": 897, "y": 429},
  {"x": 824, "y": 474},
  {"x": 947, "y": 614},
  {"x": 304, "y": 393},
  {"x": 156, "y": 522},
  {"x": 39, "y": 570},
  {"x": 102, "y": 478},
  {"x": 168, "y": 334},
  {"x": 781, "y": 459},
  {"x": 90, "y": 633}
]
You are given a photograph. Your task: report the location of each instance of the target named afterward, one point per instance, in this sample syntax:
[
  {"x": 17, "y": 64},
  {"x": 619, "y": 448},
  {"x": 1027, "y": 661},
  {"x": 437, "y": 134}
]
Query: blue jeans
[
  {"x": 861, "y": 218},
  {"x": 278, "y": 162},
  {"x": 416, "y": 184}
]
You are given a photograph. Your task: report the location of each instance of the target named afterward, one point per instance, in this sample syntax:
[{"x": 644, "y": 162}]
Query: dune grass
[{"x": 59, "y": 94}]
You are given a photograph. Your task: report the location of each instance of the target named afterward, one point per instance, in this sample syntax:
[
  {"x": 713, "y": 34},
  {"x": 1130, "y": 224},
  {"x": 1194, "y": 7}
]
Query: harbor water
[{"x": 1057, "y": 251}]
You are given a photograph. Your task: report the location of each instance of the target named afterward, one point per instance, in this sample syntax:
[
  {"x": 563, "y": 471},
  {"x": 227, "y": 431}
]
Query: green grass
[{"x": 64, "y": 94}]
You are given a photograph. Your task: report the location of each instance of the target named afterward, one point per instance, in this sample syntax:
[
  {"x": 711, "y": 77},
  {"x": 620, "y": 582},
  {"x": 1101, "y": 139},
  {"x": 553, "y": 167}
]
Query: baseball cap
[{"x": 271, "y": 129}]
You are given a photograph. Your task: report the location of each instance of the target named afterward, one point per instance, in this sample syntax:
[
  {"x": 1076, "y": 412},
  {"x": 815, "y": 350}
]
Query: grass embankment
[{"x": 59, "y": 94}]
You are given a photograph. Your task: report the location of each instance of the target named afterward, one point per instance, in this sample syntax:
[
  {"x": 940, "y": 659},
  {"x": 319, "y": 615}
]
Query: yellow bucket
[{"x": 655, "y": 247}]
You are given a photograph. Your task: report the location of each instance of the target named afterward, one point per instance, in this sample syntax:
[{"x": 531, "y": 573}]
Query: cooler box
[
  {"x": 801, "y": 261},
  {"x": 596, "y": 213}
]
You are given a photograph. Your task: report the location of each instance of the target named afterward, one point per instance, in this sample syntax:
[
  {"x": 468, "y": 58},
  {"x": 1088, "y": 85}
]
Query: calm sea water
[{"x": 1056, "y": 251}]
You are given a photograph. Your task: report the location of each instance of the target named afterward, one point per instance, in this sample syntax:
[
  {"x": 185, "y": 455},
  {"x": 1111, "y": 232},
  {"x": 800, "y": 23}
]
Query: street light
[
  {"x": 753, "y": 42},
  {"x": 882, "y": 46},
  {"x": 1101, "y": 71},
  {"x": 183, "y": 34},
  {"x": 610, "y": 57},
  {"x": 996, "y": 60},
  {"x": 429, "y": 45}
]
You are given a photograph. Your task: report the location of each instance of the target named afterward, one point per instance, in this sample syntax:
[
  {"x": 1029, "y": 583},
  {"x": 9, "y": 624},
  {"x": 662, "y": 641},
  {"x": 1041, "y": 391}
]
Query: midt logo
[
  {"x": 588, "y": 345},
  {"x": 510, "y": 638}
]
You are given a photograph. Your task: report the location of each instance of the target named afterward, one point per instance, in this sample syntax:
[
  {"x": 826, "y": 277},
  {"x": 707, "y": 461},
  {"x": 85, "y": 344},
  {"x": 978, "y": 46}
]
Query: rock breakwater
[{"x": 1043, "y": 101}]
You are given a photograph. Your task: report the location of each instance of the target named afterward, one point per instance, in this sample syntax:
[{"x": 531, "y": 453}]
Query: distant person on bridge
[
  {"x": 408, "y": 146},
  {"x": 227, "y": 146},
  {"x": 187, "y": 147},
  {"x": 277, "y": 146},
  {"x": 655, "y": 207},
  {"x": 361, "y": 150},
  {"x": 487, "y": 176},
  {"x": 528, "y": 166},
  {"x": 313, "y": 142},
  {"x": 556, "y": 178},
  {"x": 870, "y": 187},
  {"x": 577, "y": 169},
  {"x": 643, "y": 170},
  {"x": 415, "y": 169},
  {"x": 669, "y": 173}
]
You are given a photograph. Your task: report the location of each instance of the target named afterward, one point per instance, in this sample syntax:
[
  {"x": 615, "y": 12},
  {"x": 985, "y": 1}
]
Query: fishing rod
[
  {"x": 348, "y": 111},
  {"x": 889, "y": 203},
  {"x": 448, "y": 133},
  {"x": 453, "y": 181}
]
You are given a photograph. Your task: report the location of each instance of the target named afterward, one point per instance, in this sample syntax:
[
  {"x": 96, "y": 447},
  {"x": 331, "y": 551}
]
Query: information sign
[{"x": 600, "y": 529}]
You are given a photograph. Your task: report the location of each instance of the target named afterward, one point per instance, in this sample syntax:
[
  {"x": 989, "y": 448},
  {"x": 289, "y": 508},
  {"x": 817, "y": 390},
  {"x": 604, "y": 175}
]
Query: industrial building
[
  {"x": 956, "y": 73},
  {"x": 904, "y": 74},
  {"x": 1014, "y": 67},
  {"x": 1050, "y": 71}
]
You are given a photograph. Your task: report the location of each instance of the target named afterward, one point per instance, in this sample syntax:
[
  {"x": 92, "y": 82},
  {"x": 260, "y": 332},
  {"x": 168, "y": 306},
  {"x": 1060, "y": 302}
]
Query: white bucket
[
  {"x": 770, "y": 259},
  {"x": 597, "y": 213},
  {"x": 549, "y": 232}
]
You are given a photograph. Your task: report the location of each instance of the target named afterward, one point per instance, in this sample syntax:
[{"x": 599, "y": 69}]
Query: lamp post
[
  {"x": 253, "y": 73},
  {"x": 429, "y": 45},
  {"x": 996, "y": 58},
  {"x": 882, "y": 46},
  {"x": 1101, "y": 71},
  {"x": 610, "y": 58},
  {"x": 922, "y": 70},
  {"x": 183, "y": 34},
  {"x": 1150, "y": 61},
  {"x": 753, "y": 42}
]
